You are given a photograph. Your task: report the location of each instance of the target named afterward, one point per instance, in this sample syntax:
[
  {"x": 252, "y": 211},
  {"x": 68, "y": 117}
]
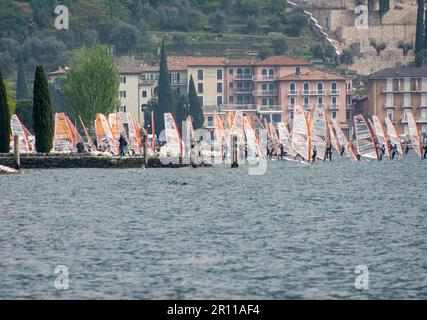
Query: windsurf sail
[
  {"x": 88, "y": 138},
  {"x": 252, "y": 141},
  {"x": 173, "y": 138},
  {"x": 104, "y": 135},
  {"x": 153, "y": 131},
  {"x": 394, "y": 136},
  {"x": 319, "y": 131},
  {"x": 134, "y": 134},
  {"x": 365, "y": 142},
  {"x": 381, "y": 135},
  {"x": 116, "y": 125},
  {"x": 64, "y": 139},
  {"x": 343, "y": 140},
  {"x": 301, "y": 137},
  {"x": 414, "y": 134},
  {"x": 17, "y": 128},
  {"x": 334, "y": 141},
  {"x": 286, "y": 139},
  {"x": 221, "y": 137}
]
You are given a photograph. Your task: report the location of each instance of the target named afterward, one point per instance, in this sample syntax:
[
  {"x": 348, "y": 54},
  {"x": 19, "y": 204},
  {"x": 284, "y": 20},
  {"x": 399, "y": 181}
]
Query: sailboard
[
  {"x": 394, "y": 136},
  {"x": 173, "y": 138},
  {"x": 365, "y": 142},
  {"x": 301, "y": 136},
  {"x": 17, "y": 128},
  {"x": 344, "y": 141},
  {"x": 286, "y": 139},
  {"x": 134, "y": 134},
  {"x": 414, "y": 134},
  {"x": 319, "y": 131},
  {"x": 104, "y": 134},
  {"x": 64, "y": 139},
  {"x": 381, "y": 135}
]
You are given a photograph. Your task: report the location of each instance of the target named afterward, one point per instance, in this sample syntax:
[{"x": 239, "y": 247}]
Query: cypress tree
[
  {"x": 21, "y": 82},
  {"x": 165, "y": 103},
  {"x": 42, "y": 113},
  {"x": 425, "y": 31},
  {"x": 195, "y": 107},
  {"x": 420, "y": 27},
  {"x": 5, "y": 130}
]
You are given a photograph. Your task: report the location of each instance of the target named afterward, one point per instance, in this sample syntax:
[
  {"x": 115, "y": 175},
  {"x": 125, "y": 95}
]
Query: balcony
[
  {"x": 334, "y": 106},
  {"x": 291, "y": 107},
  {"x": 334, "y": 92},
  {"x": 242, "y": 77},
  {"x": 148, "y": 82},
  {"x": 265, "y": 93},
  {"x": 210, "y": 124},
  {"x": 387, "y": 106},
  {"x": 264, "y": 78},
  {"x": 421, "y": 119},
  {"x": 243, "y": 91},
  {"x": 270, "y": 109},
  {"x": 179, "y": 83},
  {"x": 239, "y": 107},
  {"x": 313, "y": 92},
  {"x": 293, "y": 92},
  {"x": 307, "y": 107}
]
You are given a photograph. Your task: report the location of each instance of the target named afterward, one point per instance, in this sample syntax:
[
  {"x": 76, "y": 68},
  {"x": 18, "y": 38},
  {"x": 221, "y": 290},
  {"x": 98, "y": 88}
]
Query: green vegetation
[
  {"x": 42, "y": 113},
  {"x": 138, "y": 26},
  {"x": 420, "y": 27},
  {"x": 21, "y": 83},
  {"x": 5, "y": 130},
  {"x": 195, "y": 107},
  {"x": 92, "y": 83}
]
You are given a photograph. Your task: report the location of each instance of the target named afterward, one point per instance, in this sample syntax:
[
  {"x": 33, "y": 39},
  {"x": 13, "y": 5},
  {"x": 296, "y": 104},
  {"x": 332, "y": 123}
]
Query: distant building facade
[{"x": 396, "y": 91}]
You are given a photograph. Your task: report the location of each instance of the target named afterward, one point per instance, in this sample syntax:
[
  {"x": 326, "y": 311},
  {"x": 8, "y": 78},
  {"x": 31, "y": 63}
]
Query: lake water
[{"x": 296, "y": 232}]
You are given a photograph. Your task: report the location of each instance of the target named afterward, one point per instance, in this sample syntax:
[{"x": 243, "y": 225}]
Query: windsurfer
[
  {"x": 406, "y": 149},
  {"x": 122, "y": 144},
  {"x": 329, "y": 152},
  {"x": 342, "y": 151},
  {"x": 382, "y": 153},
  {"x": 425, "y": 151},
  {"x": 282, "y": 151},
  {"x": 313, "y": 158},
  {"x": 394, "y": 151}
]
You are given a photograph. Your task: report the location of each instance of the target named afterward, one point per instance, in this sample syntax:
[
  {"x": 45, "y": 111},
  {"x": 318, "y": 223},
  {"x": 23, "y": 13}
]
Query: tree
[
  {"x": 317, "y": 50},
  {"x": 420, "y": 27},
  {"x": 5, "y": 129},
  {"x": 405, "y": 46},
  {"x": 280, "y": 45},
  {"x": 10, "y": 97},
  {"x": 21, "y": 82},
  {"x": 347, "y": 56},
  {"x": 218, "y": 21},
  {"x": 24, "y": 111},
  {"x": 252, "y": 25},
  {"x": 425, "y": 31},
  {"x": 179, "y": 112},
  {"x": 195, "y": 107},
  {"x": 92, "y": 83},
  {"x": 42, "y": 113},
  {"x": 421, "y": 58},
  {"x": 122, "y": 35},
  {"x": 165, "y": 103},
  {"x": 379, "y": 47},
  {"x": 248, "y": 8}
]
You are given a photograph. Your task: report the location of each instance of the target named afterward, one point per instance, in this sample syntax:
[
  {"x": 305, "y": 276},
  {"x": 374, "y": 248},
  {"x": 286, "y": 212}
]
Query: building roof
[
  {"x": 206, "y": 61},
  {"x": 240, "y": 62},
  {"x": 399, "y": 72},
  {"x": 313, "y": 74},
  {"x": 178, "y": 63},
  {"x": 59, "y": 72},
  {"x": 282, "y": 61}
]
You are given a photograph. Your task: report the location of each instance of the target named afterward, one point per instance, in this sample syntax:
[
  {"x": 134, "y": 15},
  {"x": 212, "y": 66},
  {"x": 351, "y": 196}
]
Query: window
[
  {"x": 271, "y": 102},
  {"x": 271, "y": 72},
  {"x": 277, "y": 118},
  {"x": 239, "y": 87},
  {"x": 218, "y": 100},
  {"x": 264, "y": 102},
  {"x": 231, "y": 85},
  {"x": 390, "y": 114},
  {"x": 348, "y": 115},
  {"x": 201, "y": 101},
  {"x": 219, "y": 74},
  {"x": 264, "y": 87},
  {"x": 264, "y": 72},
  {"x": 122, "y": 94},
  {"x": 320, "y": 87},
  {"x": 219, "y": 87},
  {"x": 231, "y": 99},
  {"x": 292, "y": 88},
  {"x": 247, "y": 87},
  {"x": 247, "y": 73},
  {"x": 247, "y": 99},
  {"x": 230, "y": 72},
  {"x": 306, "y": 101},
  {"x": 271, "y": 88},
  {"x": 143, "y": 107},
  {"x": 297, "y": 70},
  {"x": 200, "y": 87},
  {"x": 306, "y": 87},
  {"x": 320, "y": 101},
  {"x": 292, "y": 101},
  {"x": 144, "y": 94},
  {"x": 122, "y": 109},
  {"x": 239, "y": 99},
  {"x": 122, "y": 79},
  {"x": 239, "y": 73},
  {"x": 334, "y": 88},
  {"x": 199, "y": 74},
  {"x": 334, "y": 114},
  {"x": 334, "y": 101}
]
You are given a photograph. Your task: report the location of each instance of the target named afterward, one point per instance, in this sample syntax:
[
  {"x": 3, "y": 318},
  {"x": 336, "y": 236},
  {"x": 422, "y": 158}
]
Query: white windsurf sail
[
  {"x": 343, "y": 140},
  {"x": 286, "y": 139},
  {"x": 64, "y": 138},
  {"x": 301, "y": 139},
  {"x": 19, "y": 130},
  {"x": 173, "y": 138},
  {"x": 414, "y": 133},
  {"x": 251, "y": 138},
  {"x": 134, "y": 134},
  {"x": 381, "y": 135},
  {"x": 104, "y": 135},
  {"x": 365, "y": 142},
  {"x": 319, "y": 131},
  {"x": 394, "y": 136},
  {"x": 334, "y": 141}
]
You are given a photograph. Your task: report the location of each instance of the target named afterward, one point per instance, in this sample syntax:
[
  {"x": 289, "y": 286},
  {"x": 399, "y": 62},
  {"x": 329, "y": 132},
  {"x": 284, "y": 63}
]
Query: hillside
[{"x": 204, "y": 27}]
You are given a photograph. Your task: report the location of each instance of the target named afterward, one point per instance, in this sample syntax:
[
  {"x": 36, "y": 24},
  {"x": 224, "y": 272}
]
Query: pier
[{"x": 68, "y": 161}]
